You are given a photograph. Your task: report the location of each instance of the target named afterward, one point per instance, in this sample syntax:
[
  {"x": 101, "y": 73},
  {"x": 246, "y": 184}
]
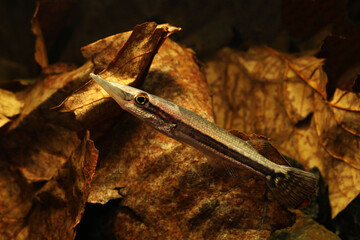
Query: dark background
[
  {"x": 329, "y": 29},
  {"x": 331, "y": 26}
]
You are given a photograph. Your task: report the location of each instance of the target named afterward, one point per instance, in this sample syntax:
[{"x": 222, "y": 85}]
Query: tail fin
[{"x": 292, "y": 186}]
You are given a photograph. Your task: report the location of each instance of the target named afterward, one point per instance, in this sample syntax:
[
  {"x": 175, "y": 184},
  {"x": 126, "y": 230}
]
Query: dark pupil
[{"x": 141, "y": 99}]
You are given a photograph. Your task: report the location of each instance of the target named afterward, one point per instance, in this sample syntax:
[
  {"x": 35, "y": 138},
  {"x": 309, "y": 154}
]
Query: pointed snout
[{"x": 117, "y": 91}]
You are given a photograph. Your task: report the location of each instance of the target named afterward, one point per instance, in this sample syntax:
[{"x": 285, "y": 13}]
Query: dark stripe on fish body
[
  {"x": 221, "y": 148},
  {"x": 208, "y": 142},
  {"x": 151, "y": 108}
]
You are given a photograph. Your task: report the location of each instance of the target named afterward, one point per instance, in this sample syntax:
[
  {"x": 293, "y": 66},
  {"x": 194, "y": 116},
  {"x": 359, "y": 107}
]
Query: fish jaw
[
  {"x": 157, "y": 112},
  {"x": 122, "y": 94}
]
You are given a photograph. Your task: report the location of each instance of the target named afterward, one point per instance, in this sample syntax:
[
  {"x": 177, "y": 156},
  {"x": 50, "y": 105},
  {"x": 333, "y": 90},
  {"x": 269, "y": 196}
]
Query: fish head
[{"x": 157, "y": 112}]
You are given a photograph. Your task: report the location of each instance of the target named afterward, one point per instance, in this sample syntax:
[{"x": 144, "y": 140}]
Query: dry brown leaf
[
  {"x": 50, "y": 15},
  {"x": 132, "y": 62},
  {"x": 345, "y": 106},
  {"x": 55, "y": 209},
  {"x": 10, "y": 106},
  {"x": 35, "y": 145},
  {"x": 39, "y": 140},
  {"x": 304, "y": 228},
  {"x": 271, "y": 93},
  {"x": 61, "y": 201},
  {"x": 40, "y": 48},
  {"x": 102, "y": 51},
  {"x": 124, "y": 58},
  {"x": 15, "y": 203},
  {"x": 168, "y": 187},
  {"x": 337, "y": 141},
  {"x": 40, "y": 93},
  {"x": 58, "y": 68}
]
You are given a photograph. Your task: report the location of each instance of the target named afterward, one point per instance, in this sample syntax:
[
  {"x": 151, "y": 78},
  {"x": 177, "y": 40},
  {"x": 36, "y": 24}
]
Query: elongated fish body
[{"x": 290, "y": 186}]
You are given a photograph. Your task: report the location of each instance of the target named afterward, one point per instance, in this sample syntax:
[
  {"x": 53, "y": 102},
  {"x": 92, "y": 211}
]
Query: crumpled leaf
[
  {"x": 165, "y": 182},
  {"x": 50, "y": 15},
  {"x": 39, "y": 140},
  {"x": 338, "y": 142},
  {"x": 15, "y": 202},
  {"x": 44, "y": 90},
  {"x": 56, "y": 208},
  {"x": 60, "y": 203},
  {"x": 132, "y": 62},
  {"x": 126, "y": 59},
  {"x": 40, "y": 48},
  {"x": 10, "y": 106},
  {"x": 304, "y": 228},
  {"x": 35, "y": 145},
  {"x": 58, "y": 68},
  {"x": 284, "y": 97},
  {"x": 345, "y": 105}
]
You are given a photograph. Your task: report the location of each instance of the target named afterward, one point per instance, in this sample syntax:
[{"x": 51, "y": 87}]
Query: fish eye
[{"x": 141, "y": 99}]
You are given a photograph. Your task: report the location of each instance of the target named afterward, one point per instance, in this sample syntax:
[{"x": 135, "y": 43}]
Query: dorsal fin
[{"x": 263, "y": 146}]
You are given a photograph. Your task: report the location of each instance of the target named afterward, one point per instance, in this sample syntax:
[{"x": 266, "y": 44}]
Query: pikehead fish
[{"x": 290, "y": 186}]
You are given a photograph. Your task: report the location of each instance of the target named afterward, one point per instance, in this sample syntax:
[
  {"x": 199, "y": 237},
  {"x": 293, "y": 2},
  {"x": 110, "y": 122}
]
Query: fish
[{"x": 290, "y": 186}]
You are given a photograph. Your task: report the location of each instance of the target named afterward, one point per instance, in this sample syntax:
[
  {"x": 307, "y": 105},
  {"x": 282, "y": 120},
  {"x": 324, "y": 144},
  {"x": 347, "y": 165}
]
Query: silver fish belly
[{"x": 290, "y": 186}]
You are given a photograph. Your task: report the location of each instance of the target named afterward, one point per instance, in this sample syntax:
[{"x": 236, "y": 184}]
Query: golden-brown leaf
[
  {"x": 164, "y": 181},
  {"x": 346, "y": 107},
  {"x": 337, "y": 141},
  {"x": 124, "y": 58},
  {"x": 305, "y": 228},
  {"x": 60, "y": 203},
  {"x": 40, "y": 48},
  {"x": 284, "y": 97},
  {"x": 49, "y": 20},
  {"x": 342, "y": 178},
  {"x": 44, "y": 90},
  {"x": 39, "y": 140},
  {"x": 55, "y": 209},
  {"x": 10, "y": 106},
  {"x": 132, "y": 62},
  {"x": 15, "y": 203}
]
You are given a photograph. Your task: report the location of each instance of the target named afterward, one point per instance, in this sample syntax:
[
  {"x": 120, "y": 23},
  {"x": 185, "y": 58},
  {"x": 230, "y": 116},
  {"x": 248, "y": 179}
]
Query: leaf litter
[
  {"x": 284, "y": 97},
  {"x": 162, "y": 180},
  {"x": 121, "y": 58}
]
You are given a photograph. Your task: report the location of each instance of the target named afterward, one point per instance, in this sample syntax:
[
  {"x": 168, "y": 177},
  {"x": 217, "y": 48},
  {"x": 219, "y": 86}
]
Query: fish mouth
[{"x": 115, "y": 90}]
